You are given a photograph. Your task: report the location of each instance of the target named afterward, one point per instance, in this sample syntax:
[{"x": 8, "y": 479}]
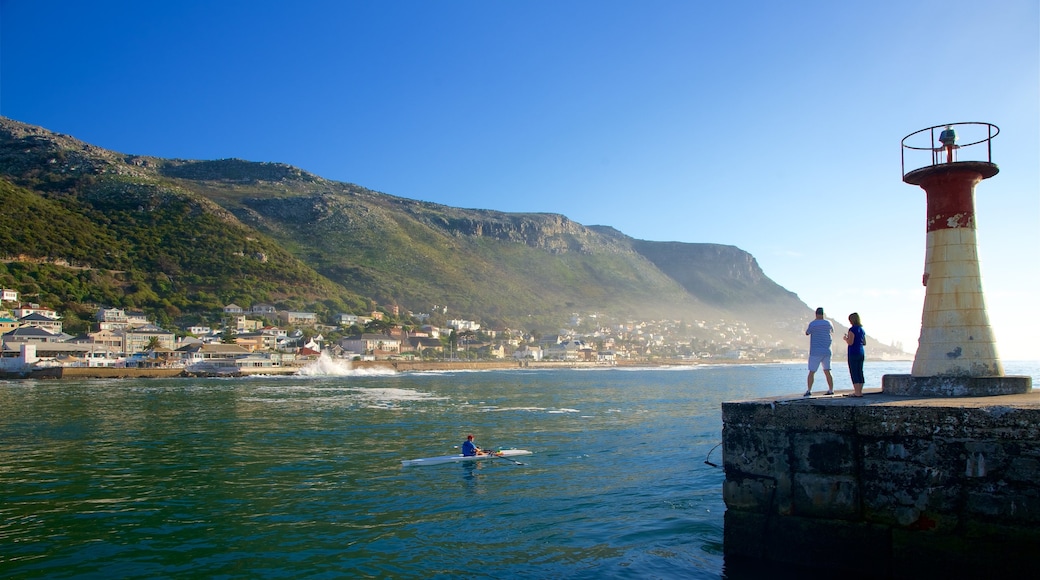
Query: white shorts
[{"x": 816, "y": 359}]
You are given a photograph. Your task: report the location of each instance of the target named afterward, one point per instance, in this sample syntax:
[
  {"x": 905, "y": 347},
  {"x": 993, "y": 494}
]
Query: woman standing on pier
[{"x": 856, "y": 338}]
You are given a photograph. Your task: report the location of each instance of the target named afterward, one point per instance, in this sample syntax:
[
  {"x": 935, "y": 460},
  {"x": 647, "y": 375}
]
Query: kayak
[{"x": 460, "y": 457}]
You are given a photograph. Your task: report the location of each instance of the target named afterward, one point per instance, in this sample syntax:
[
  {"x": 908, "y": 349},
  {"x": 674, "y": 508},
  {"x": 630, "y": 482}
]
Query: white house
[
  {"x": 27, "y": 309},
  {"x": 218, "y": 358},
  {"x": 118, "y": 319},
  {"x": 20, "y": 360},
  {"x": 464, "y": 325},
  {"x": 344, "y": 319},
  {"x": 528, "y": 352}
]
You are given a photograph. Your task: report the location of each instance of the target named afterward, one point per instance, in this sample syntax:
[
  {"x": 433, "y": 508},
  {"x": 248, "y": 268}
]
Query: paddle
[{"x": 493, "y": 454}]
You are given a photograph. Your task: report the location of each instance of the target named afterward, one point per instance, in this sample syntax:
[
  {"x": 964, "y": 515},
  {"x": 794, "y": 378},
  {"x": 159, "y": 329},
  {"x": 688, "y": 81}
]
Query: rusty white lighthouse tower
[{"x": 957, "y": 351}]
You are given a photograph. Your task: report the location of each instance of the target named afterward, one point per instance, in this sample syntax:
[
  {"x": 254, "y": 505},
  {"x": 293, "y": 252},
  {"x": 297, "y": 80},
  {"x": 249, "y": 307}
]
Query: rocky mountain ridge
[{"x": 359, "y": 247}]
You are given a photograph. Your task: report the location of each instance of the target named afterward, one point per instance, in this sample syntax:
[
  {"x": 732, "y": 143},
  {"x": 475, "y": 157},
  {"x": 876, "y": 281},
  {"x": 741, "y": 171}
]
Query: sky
[{"x": 775, "y": 127}]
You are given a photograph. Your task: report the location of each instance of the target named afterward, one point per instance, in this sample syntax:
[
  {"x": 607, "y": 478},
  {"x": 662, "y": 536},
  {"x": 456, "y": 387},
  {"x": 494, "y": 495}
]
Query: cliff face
[
  {"x": 504, "y": 268},
  {"x": 725, "y": 276}
]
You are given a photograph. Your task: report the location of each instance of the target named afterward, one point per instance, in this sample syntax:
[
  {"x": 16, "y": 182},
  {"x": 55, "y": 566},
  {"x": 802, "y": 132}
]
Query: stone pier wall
[{"x": 884, "y": 486}]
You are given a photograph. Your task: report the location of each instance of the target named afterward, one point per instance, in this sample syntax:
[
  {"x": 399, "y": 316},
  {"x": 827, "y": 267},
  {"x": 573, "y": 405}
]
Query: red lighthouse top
[{"x": 964, "y": 146}]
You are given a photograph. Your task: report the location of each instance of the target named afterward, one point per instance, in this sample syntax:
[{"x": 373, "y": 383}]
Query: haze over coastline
[{"x": 772, "y": 128}]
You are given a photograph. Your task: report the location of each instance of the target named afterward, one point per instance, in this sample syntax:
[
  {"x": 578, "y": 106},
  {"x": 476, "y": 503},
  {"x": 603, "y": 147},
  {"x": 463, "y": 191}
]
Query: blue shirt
[
  {"x": 468, "y": 448},
  {"x": 819, "y": 332},
  {"x": 856, "y": 348}
]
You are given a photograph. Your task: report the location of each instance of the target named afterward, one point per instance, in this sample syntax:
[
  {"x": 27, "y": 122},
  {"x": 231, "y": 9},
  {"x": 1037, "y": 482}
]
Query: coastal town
[{"x": 262, "y": 338}]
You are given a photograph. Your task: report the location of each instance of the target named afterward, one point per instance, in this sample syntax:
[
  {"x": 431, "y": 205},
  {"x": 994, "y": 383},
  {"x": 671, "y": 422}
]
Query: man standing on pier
[{"x": 819, "y": 333}]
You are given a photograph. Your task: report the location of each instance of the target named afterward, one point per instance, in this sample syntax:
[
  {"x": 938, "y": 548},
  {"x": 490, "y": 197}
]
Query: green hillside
[
  {"x": 83, "y": 226},
  {"x": 115, "y": 241}
]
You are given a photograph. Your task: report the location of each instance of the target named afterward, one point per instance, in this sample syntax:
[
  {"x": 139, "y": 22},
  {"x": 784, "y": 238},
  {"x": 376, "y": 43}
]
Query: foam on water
[
  {"x": 326, "y": 366},
  {"x": 370, "y": 397}
]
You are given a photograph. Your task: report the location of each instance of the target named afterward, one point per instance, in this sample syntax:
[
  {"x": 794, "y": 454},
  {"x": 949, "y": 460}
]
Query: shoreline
[{"x": 399, "y": 366}]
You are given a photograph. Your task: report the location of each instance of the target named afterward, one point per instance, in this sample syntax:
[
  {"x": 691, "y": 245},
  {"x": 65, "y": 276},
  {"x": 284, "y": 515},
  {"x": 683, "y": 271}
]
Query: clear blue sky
[{"x": 771, "y": 126}]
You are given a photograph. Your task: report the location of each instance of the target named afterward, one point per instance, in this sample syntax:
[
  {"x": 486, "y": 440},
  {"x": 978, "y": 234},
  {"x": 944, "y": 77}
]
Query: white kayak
[{"x": 460, "y": 457}]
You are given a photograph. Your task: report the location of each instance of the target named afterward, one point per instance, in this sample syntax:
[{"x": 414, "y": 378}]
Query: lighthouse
[
  {"x": 936, "y": 475},
  {"x": 956, "y": 352}
]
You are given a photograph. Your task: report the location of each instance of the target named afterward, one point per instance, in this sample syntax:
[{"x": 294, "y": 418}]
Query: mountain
[{"x": 82, "y": 225}]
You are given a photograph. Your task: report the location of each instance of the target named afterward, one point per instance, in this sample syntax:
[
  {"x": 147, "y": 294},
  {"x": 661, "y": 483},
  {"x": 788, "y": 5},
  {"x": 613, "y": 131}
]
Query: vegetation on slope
[
  {"x": 114, "y": 242},
  {"x": 181, "y": 239}
]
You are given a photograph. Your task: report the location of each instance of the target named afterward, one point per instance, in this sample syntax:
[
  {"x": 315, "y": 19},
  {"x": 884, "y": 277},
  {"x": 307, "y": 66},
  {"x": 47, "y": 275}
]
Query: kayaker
[{"x": 469, "y": 448}]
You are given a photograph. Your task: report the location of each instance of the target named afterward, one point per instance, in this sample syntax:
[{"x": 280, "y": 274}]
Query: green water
[{"x": 302, "y": 477}]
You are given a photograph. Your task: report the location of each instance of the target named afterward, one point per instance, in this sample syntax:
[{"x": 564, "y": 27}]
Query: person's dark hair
[{"x": 854, "y": 319}]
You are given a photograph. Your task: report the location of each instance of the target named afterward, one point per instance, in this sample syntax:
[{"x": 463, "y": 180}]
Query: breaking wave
[{"x": 326, "y": 366}]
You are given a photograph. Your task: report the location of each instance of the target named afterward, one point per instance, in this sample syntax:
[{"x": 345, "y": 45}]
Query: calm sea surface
[{"x": 301, "y": 476}]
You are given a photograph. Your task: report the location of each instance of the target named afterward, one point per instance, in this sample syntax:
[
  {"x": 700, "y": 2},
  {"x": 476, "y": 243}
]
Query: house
[
  {"x": 111, "y": 319},
  {"x": 431, "y": 331},
  {"x": 7, "y": 324},
  {"x": 243, "y": 324},
  {"x": 370, "y": 343},
  {"x": 258, "y": 360},
  {"x": 160, "y": 358},
  {"x": 18, "y": 357},
  {"x": 118, "y": 319},
  {"x": 229, "y": 358},
  {"x": 344, "y": 319},
  {"x": 108, "y": 338},
  {"x": 263, "y": 310},
  {"x": 275, "y": 331},
  {"x": 233, "y": 309},
  {"x": 38, "y": 320},
  {"x": 492, "y": 351},
  {"x": 190, "y": 341},
  {"x": 136, "y": 318},
  {"x": 290, "y": 318},
  {"x": 308, "y": 353},
  {"x": 110, "y": 314},
  {"x": 63, "y": 354},
  {"x": 569, "y": 350},
  {"x": 534, "y": 353},
  {"x": 27, "y": 309},
  {"x": 314, "y": 344},
  {"x": 7, "y": 295},
  {"x": 214, "y": 354},
  {"x": 31, "y": 334},
  {"x": 461, "y": 325},
  {"x": 138, "y": 339},
  {"x": 257, "y": 340},
  {"x": 421, "y": 344}
]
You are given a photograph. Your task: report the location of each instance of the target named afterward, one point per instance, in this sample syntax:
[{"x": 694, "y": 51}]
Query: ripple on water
[{"x": 301, "y": 476}]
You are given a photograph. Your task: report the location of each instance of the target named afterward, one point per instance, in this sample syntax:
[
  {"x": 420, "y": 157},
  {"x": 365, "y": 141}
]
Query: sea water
[{"x": 301, "y": 476}]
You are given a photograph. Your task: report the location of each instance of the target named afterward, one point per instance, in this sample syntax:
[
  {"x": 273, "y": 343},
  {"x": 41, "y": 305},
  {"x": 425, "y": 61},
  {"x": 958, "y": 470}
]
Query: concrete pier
[{"x": 884, "y": 486}]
